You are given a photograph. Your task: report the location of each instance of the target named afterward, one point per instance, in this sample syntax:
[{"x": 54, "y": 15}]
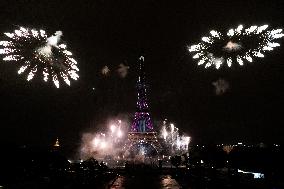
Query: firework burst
[
  {"x": 36, "y": 52},
  {"x": 236, "y": 45},
  {"x": 221, "y": 86},
  {"x": 173, "y": 142},
  {"x": 122, "y": 70},
  {"x": 105, "y": 71}
]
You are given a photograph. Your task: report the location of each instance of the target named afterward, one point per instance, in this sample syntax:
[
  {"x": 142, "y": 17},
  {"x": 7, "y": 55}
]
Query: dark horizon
[{"x": 106, "y": 32}]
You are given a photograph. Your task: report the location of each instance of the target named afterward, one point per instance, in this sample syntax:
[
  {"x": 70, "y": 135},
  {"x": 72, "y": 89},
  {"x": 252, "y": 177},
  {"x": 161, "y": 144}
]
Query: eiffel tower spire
[{"x": 142, "y": 120}]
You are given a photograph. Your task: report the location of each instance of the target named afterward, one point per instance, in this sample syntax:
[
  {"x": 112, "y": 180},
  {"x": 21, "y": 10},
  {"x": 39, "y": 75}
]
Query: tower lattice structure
[
  {"x": 142, "y": 130},
  {"x": 142, "y": 120}
]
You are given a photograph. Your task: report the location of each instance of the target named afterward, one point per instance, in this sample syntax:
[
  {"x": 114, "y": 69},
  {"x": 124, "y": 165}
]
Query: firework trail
[
  {"x": 237, "y": 45},
  {"x": 221, "y": 86},
  {"x": 36, "y": 52}
]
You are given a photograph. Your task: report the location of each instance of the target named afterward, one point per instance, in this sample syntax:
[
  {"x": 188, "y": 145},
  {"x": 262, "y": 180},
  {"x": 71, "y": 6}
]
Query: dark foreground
[
  {"x": 146, "y": 177},
  {"x": 188, "y": 179},
  {"x": 203, "y": 168}
]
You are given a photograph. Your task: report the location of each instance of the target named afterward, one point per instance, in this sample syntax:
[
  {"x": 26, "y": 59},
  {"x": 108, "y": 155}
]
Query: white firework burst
[
  {"x": 236, "y": 45},
  {"x": 36, "y": 52}
]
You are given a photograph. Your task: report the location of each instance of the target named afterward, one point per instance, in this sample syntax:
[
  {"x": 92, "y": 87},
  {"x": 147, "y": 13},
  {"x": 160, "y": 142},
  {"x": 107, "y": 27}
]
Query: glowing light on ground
[
  {"x": 101, "y": 144},
  {"x": 173, "y": 141},
  {"x": 255, "y": 175},
  {"x": 113, "y": 143}
]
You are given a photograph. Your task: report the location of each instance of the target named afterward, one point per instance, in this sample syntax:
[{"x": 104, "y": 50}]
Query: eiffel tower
[{"x": 142, "y": 131}]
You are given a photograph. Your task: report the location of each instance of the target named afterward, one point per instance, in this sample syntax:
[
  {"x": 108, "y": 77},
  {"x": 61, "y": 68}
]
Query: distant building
[{"x": 56, "y": 146}]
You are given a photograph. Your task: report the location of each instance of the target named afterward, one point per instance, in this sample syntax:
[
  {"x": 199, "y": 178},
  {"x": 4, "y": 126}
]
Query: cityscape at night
[{"x": 141, "y": 94}]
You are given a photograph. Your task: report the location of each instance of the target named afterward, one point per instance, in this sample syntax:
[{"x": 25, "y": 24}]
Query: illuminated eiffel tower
[{"x": 142, "y": 131}]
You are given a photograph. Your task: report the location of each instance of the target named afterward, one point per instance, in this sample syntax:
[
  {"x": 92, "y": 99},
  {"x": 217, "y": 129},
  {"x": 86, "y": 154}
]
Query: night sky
[{"x": 110, "y": 32}]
